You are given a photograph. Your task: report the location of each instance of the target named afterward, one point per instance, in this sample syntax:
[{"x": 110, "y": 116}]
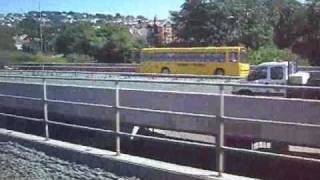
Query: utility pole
[{"x": 40, "y": 28}]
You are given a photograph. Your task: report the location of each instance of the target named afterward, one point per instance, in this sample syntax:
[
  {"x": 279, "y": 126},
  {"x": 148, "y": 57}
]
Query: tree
[
  {"x": 226, "y": 22},
  {"x": 255, "y": 20},
  {"x": 75, "y": 39},
  {"x": 6, "y": 38},
  {"x": 29, "y": 26},
  {"x": 101, "y": 16},
  {"x": 140, "y": 17},
  {"x": 268, "y": 54},
  {"x": 111, "y": 44},
  {"x": 109, "y": 17},
  {"x": 190, "y": 22},
  {"x": 299, "y": 30},
  {"x": 118, "y": 16},
  {"x": 114, "y": 44}
]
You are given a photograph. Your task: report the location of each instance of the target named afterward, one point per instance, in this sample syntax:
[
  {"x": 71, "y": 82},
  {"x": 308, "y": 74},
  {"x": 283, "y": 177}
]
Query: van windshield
[{"x": 258, "y": 73}]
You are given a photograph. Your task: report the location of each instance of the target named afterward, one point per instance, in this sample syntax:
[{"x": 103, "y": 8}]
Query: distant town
[{"x": 139, "y": 26}]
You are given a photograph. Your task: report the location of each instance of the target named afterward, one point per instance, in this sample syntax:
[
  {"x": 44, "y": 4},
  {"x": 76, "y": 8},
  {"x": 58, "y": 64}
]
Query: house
[
  {"x": 27, "y": 43},
  {"x": 166, "y": 32},
  {"x": 19, "y": 41},
  {"x": 163, "y": 31}
]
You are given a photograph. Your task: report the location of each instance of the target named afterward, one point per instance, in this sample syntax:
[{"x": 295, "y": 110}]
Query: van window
[
  {"x": 277, "y": 73},
  {"x": 262, "y": 73},
  {"x": 258, "y": 73}
]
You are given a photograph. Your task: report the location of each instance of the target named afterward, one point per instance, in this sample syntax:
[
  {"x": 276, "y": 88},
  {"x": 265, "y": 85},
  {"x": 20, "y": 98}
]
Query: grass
[{"x": 18, "y": 57}]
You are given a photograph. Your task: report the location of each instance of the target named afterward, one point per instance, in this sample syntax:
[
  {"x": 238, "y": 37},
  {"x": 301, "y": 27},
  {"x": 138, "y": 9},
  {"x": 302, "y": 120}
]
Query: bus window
[
  {"x": 243, "y": 56},
  {"x": 184, "y": 57},
  {"x": 216, "y": 57},
  {"x": 233, "y": 57},
  {"x": 147, "y": 57},
  {"x": 143, "y": 57}
]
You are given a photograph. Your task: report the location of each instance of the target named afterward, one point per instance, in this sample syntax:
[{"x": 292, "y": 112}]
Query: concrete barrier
[
  {"x": 123, "y": 165},
  {"x": 280, "y": 109}
]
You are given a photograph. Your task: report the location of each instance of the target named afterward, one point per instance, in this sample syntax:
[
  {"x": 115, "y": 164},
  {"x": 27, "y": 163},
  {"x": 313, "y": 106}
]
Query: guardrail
[
  {"x": 79, "y": 67},
  {"x": 76, "y": 74},
  {"x": 220, "y": 117},
  {"x": 300, "y": 68},
  {"x": 77, "y": 64},
  {"x": 113, "y": 66}
]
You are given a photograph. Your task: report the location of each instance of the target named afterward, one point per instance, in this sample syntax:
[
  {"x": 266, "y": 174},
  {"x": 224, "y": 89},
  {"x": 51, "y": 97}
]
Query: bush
[
  {"x": 79, "y": 58},
  {"x": 42, "y": 58},
  {"x": 108, "y": 44},
  {"x": 268, "y": 54},
  {"x": 17, "y": 57}
]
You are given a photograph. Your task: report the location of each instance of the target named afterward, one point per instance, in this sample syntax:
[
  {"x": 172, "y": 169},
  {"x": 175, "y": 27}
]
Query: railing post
[
  {"x": 45, "y": 109},
  {"x": 117, "y": 111},
  {"x": 220, "y": 134}
]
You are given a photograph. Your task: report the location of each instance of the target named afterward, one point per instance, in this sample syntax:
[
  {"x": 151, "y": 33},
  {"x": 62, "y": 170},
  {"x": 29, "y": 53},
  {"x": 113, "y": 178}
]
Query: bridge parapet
[{"x": 207, "y": 113}]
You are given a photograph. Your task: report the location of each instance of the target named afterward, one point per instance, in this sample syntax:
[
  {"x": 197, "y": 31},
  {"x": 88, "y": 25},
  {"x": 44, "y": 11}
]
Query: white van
[{"x": 275, "y": 73}]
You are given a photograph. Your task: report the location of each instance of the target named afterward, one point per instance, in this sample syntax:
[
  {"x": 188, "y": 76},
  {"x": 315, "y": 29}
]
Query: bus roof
[{"x": 191, "y": 50}]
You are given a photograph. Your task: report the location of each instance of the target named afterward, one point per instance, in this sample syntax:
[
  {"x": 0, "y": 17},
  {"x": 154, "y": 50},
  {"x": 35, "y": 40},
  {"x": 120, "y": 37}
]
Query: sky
[{"x": 148, "y": 8}]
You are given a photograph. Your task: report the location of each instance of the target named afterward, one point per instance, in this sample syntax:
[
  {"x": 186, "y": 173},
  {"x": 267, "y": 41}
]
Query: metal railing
[
  {"x": 77, "y": 64},
  {"x": 105, "y": 65},
  {"x": 76, "y": 74},
  {"x": 300, "y": 68},
  {"x": 220, "y": 117},
  {"x": 75, "y": 67}
]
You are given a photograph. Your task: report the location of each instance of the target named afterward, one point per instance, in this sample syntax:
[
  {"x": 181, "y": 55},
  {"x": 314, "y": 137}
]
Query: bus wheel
[
  {"x": 219, "y": 72},
  {"x": 165, "y": 71}
]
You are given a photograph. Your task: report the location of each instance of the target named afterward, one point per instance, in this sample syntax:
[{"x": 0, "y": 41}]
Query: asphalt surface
[{"x": 19, "y": 162}]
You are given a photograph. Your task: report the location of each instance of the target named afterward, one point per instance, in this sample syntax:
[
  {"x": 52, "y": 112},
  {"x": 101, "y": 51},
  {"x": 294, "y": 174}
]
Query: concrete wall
[
  {"x": 123, "y": 165},
  {"x": 287, "y": 110}
]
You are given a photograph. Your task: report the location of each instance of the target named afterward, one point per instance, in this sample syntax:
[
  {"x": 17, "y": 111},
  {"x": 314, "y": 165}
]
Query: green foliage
[
  {"x": 6, "y": 38},
  {"x": 256, "y": 24},
  {"x": 268, "y": 54},
  {"x": 109, "y": 43},
  {"x": 299, "y": 30},
  {"x": 114, "y": 44},
  {"x": 255, "y": 20},
  {"x": 29, "y": 26},
  {"x": 78, "y": 58},
  {"x": 16, "y": 57},
  {"x": 226, "y": 22},
  {"x": 75, "y": 39}
]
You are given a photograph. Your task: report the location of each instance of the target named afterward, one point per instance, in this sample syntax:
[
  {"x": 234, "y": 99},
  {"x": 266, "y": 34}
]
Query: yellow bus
[{"x": 200, "y": 61}]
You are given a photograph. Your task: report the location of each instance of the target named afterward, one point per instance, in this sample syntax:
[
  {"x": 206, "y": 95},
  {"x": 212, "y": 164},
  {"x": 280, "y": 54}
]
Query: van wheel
[
  {"x": 165, "y": 71},
  {"x": 246, "y": 92},
  {"x": 219, "y": 72}
]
